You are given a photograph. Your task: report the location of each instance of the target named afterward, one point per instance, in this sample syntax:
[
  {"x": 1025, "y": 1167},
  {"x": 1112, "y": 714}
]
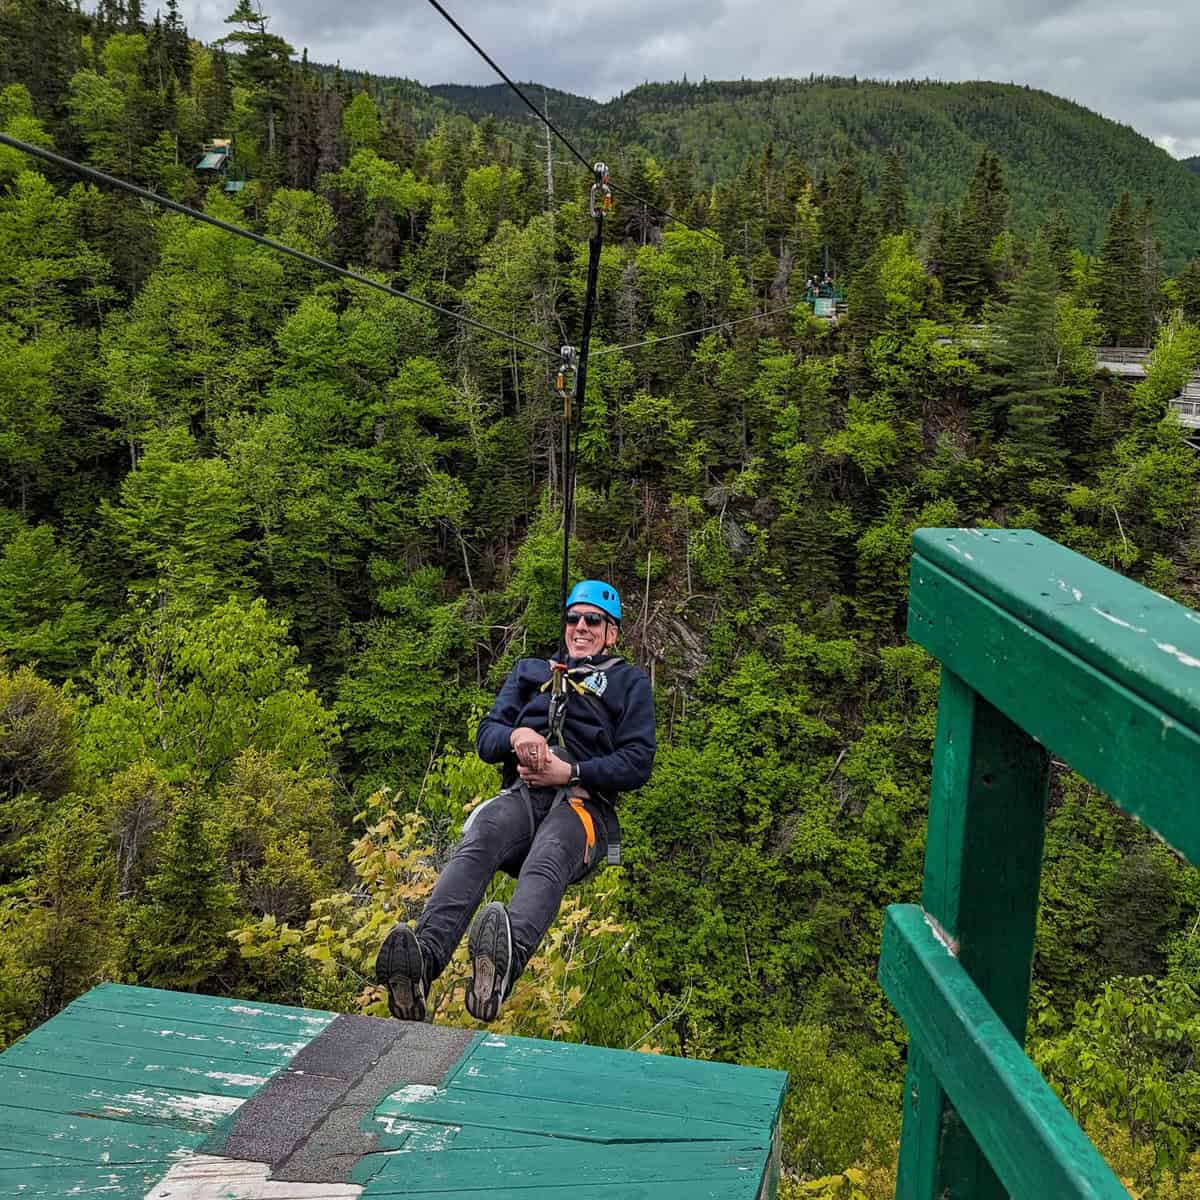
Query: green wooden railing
[{"x": 1043, "y": 651}]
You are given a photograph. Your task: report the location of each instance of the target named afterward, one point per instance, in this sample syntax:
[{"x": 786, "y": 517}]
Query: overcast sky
[{"x": 1132, "y": 61}]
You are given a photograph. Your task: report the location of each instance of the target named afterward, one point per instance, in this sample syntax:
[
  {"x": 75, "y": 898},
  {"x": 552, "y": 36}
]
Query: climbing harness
[{"x": 578, "y": 679}]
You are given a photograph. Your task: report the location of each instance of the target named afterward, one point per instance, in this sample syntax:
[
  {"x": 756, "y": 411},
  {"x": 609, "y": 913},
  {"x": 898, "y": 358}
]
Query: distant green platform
[{"x": 133, "y": 1093}]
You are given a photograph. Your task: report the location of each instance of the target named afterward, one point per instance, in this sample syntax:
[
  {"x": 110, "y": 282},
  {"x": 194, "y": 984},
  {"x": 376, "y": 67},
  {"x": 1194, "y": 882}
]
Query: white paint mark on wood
[
  {"x": 208, "y": 1177},
  {"x": 1117, "y": 620},
  {"x": 1179, "y": 655},
  {"x": 942, "y": 936},
  {"x": 415, "y": 1093},
  {"x": 1066, "y": 587},
  {"x": 312, "y": 1020},
  {"x": 422, "y": 1135},
  {"x": 193, "y": 1106},
  {"x": 234, "y": 1079}
]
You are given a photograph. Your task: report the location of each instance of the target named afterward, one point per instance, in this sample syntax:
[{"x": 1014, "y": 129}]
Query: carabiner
[{"x": 600, "y": 192}]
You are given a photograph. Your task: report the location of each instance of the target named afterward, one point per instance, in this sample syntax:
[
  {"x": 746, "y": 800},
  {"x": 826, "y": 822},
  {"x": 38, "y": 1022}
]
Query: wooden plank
[
  {"x": 81, "y": 1181},
  {"x": 210, "y": 1010},
  {"x": 647, "y": 1097},
  {"x": 151, "y": 1035},
  {"x": 576, "y": 1119},
  {"x": 1141, "y": 756},
  {"x": 31, "y": 1158},
  {"x": 1032, "y": 1142},
  {"x": 120, "y": 1064},
  {"x": 395, "y": 1133},
  {"x": 209, "y": 1177},
  {"x": 457, "y": 1171},
  {"x": 1127, "y": 632},
  {"x": 723, "y": 1188},
  {"x": 90, "y": 1139},
  {"x": 47, "y": 1091},
  {"x": 596, "y": 1062}
]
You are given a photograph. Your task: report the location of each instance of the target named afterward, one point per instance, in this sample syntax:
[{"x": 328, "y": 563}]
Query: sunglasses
[{"x": 591, "y": 620}]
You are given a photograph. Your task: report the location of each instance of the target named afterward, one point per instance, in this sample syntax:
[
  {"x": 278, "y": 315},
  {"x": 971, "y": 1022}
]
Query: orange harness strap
[{"x": 589, "y": 827}]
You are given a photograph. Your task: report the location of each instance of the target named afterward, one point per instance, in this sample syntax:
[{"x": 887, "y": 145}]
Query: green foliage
[
  {"x": 1131, "y": 1053},
  {"x": 281, "y": 841},
  {"x": 38, "y": 762},
  {"x": 58, "y": 931},
  {"x": 192, "y": 693},
  {"x": 45, "y": 617}
]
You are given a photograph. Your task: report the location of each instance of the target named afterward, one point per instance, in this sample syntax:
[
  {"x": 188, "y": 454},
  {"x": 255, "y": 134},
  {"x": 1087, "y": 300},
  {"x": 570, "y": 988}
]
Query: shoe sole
[
  {"x": 399, "y": 967},
  {"x": 490, "y": 947}
]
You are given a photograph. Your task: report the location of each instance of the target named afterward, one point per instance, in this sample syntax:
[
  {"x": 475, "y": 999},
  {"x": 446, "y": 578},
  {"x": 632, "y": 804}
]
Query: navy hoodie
[{"x": 609, "y": 737}]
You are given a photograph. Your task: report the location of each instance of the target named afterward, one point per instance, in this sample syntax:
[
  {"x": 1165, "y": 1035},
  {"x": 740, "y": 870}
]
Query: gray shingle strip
[
  {"x": 309, "y": 1122},
  {"x": 424, "y": 1055}
]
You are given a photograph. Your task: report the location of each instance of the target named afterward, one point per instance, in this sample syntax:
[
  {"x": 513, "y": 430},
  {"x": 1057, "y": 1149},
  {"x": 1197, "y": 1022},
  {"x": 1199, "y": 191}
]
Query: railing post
[{"x": 983, "y": 859}]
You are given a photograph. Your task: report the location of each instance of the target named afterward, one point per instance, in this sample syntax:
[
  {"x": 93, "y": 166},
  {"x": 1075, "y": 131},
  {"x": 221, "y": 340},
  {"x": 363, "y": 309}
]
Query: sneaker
[
  {"x": 400, "y": 967},
  {"x": 490, "y": 946}
]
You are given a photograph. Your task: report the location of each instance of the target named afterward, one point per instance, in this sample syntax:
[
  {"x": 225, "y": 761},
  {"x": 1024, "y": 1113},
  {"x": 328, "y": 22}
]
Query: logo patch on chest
[{"x": 596, "y": 683}]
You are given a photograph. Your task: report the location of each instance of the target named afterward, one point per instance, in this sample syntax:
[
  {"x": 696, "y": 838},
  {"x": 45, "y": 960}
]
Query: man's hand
[
  {"x": 553, "y": 772},
  {"x": 531, "y": 748}
]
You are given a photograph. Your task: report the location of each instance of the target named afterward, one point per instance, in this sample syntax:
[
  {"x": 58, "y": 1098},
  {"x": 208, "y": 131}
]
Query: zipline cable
[
  {"x": 491, "y": 62},
  {"x": 163, "y": 202},
  {"x": 670, "y": 337},
  {"x": 562, "y": 137}
]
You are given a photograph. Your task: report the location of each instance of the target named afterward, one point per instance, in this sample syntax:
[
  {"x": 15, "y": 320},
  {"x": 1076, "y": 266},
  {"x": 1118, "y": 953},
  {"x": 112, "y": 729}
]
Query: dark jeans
[{"x": 527, "y": 834}]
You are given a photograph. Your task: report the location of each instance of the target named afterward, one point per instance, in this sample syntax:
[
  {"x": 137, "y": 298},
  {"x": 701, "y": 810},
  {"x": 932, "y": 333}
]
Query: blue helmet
[{"x": 598, "y": 593}]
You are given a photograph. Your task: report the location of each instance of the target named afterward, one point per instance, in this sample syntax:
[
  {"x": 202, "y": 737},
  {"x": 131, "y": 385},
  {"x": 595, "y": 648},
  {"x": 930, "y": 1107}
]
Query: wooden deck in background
[{"x": 139, "y": 1094}]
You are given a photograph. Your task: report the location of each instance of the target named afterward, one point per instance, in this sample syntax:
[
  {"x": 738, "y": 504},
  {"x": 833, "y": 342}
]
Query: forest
[
  {"x": 1052, "y": 151},
  {"x": 270, "y": 540}
]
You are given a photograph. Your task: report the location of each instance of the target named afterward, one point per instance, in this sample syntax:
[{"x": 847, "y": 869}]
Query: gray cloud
[{"x": 1134, "y": 64}]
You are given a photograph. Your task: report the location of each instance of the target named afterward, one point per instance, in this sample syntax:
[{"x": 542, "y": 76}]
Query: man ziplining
[{"x": 568, "y": 747}]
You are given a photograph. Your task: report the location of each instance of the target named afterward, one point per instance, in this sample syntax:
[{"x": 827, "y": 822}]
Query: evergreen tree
[
  {"x": 1188, "y": 285},
  {"x": 179, "y": 53},
  {"x": 893, "y": 195},
  {"x": 969, "y": 275},
  {"x": 841, "y": 215},
  {"x": 180, "y": 937},
  {"x": 1058, "y": 242},
  {"x": 263, "y": 62},
  {"x": 1121, "y": 285},
  {"x": 1028, "y": 391},
  {"x": 40, "y": 49}
]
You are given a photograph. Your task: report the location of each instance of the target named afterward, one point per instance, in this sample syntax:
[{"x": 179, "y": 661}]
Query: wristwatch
[{"x": 574, "y": 775}]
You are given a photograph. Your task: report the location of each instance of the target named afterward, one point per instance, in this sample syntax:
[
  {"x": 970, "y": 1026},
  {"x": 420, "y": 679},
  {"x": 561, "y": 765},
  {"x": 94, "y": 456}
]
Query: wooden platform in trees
[{"x": 139, "y": 1094}]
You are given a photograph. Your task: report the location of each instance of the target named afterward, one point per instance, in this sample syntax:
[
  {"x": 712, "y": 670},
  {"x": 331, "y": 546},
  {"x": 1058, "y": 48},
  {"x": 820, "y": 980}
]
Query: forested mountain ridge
[
  {"x": 270, "y": 540},
  {"x": 567, "y": 111},
  {"x": 1193, "y": 163},
  {"x": 1048, "y": 147}
]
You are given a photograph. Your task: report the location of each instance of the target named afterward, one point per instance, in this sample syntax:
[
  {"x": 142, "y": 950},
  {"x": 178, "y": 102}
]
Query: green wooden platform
[{"x": 133, "y": 1093}]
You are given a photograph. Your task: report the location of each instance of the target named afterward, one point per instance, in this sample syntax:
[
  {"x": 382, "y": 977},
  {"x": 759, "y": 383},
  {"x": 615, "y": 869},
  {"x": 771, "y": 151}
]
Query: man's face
[{"x": 584, "y": 639}]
